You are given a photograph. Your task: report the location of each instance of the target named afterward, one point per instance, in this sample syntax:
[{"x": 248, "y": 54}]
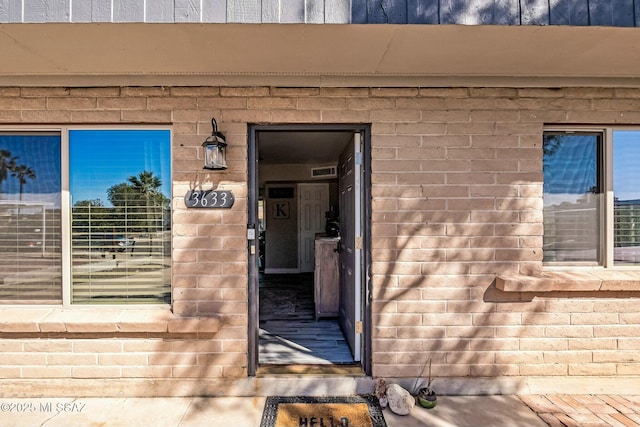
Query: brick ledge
[
  {"x": 22, "y": 320},
  {"x": 571, "y": 281}
]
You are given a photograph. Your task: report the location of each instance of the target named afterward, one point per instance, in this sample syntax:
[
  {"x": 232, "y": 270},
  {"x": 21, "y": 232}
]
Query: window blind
[
  {"x": 120, "y": 232},
  {"x": 30, "y": 215}
]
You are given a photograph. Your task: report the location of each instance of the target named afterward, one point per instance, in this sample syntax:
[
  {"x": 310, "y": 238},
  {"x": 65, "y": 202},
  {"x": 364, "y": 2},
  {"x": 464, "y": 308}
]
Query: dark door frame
[{"x": 253, "y": 247}]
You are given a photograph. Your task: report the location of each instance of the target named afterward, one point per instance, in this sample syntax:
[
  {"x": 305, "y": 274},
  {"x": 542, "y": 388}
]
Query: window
[
  {"x": 30, "y": 217},
  {"x": 114, "y": 188},
  {"x": 591, "y": 197}
]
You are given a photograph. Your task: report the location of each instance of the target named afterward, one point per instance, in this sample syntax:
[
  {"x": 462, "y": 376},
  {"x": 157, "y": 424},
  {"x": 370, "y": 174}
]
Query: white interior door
[
  {"x": 313, "y": 202},
  {"x": 351, "y": 245}
]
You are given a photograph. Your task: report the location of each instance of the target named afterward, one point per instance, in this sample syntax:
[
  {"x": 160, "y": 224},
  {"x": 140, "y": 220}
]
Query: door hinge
[
  {"x": 358, "y": 159},
  {"x": 359, "y": 242},
  {"x": 359, "y": 327}
]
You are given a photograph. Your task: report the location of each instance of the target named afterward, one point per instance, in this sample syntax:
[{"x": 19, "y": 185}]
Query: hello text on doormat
[{"x": 349, "y": 411}]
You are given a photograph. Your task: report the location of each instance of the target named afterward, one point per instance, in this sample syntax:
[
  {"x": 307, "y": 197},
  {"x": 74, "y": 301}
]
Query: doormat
[{"x": 348, "y": 411}]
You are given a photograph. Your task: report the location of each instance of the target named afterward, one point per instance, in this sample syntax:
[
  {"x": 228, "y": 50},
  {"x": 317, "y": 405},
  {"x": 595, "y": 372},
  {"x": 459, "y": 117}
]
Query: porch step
[{"x": 308, "y": 384}]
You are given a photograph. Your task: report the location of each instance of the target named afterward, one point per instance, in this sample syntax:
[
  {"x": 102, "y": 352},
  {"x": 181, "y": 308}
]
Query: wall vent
[{"x": 324, "y": 172}]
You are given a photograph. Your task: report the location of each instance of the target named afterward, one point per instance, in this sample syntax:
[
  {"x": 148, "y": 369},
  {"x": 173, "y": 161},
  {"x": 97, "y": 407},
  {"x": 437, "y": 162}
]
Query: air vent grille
[{"x": 324, "y": 172}]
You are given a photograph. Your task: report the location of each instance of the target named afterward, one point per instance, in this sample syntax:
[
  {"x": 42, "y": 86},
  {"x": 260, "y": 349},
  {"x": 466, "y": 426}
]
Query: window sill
[
  {"x": 571, "y": 281},
  {"x": 99, "y": 320}
]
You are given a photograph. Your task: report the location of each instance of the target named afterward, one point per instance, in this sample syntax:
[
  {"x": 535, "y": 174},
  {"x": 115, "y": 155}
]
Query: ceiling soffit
[{"x": 317, "y": 55}]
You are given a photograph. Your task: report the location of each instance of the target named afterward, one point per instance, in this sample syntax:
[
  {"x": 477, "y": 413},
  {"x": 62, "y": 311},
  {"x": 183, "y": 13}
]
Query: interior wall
[{"x": 281, "y": 234}]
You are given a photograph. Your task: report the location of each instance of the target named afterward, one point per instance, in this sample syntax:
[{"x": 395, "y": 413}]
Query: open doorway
[{"x": 308, "y": 256}]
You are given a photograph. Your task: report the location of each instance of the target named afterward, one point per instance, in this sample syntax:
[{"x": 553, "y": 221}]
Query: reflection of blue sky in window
[
  {"x": 570, "y": 169},
  {"x": 41, "y": 153},
  {"x": 626, "y": 165},
  {"x": 100, "y": 159}
]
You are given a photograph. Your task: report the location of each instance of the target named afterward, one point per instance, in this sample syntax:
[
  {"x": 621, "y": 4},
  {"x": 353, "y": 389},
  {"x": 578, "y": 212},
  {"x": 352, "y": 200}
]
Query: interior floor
[{"x": 289, "y": 332}]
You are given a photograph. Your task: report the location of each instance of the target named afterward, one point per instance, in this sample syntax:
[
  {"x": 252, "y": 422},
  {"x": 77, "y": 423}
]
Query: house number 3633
[{"x": 209, "y": 199}]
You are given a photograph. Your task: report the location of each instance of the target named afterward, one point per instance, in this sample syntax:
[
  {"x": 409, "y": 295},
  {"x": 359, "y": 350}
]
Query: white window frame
[
  {"x": 65, "y": 196},
  {"x": 606, "y": 228}
]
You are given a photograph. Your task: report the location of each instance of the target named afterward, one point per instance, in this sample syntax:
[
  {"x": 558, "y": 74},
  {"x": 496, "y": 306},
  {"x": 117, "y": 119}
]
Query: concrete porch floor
[{"x": 452, "y": 411}]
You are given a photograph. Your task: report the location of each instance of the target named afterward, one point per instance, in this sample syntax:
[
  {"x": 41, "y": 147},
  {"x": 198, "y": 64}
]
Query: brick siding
[{"x": 456, "y": 200}]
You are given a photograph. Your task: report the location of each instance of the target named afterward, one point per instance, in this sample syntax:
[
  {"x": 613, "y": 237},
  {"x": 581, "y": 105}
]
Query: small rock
[
  {"x": 384, "y": 402},
  {"x": 400, "y": 400},
  {"x": 381, "y": 393}
]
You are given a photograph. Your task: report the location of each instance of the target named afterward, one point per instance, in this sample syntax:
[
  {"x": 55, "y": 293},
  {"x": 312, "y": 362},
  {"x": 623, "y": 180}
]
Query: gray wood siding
[
  {"x": 128, "y": 10},
  {"x": 47, "y": 10},
  {"x": 214, "y": 11},
  {"x": 160, "y": 11},
  {"x": 91, "y": 11},
  {"x": 618, "y": 13},
  {"x": 574, "y": 12},
  {"x": 209, "y": 11},
  {"x": 337, "y": 11},
  {"x": 496, "y": 12},
  {"x": 615, "y": 13},
  {"x": 187, "y": 11},
  {"x": 534, "y": 12},
  {"x": 8, "y": 11}
]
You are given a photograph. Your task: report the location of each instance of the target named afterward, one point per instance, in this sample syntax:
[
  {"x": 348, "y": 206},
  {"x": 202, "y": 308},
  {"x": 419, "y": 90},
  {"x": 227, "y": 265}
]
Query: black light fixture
[{"x": 215, "y": 149}]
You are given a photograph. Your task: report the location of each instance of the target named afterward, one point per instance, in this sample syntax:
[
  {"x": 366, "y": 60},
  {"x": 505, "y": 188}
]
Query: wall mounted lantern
[{"x": 215, "y": 149}]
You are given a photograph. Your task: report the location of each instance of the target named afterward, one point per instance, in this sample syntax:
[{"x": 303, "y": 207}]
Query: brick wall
[{"x": 457, "y": 199}]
